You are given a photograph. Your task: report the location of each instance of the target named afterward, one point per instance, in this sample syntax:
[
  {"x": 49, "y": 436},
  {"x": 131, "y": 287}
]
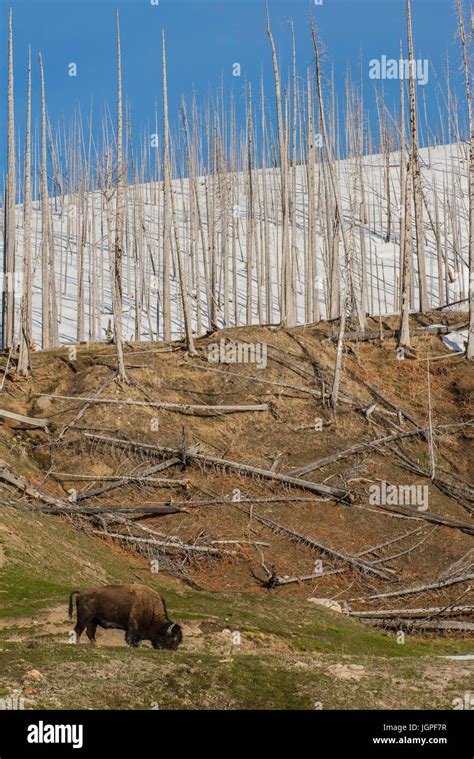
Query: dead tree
[
  {"x": 417, "y": 189},
  {"x": 9, "y": 228},
  {"x": 467, "y": 74},
  {"x": 287, "y": 305},
  {"x": 25, "y": 329},
  {"x": 406, "y": 252},
  {"x": 119, "y": 229},
  {"x": 169, "y": 189}
]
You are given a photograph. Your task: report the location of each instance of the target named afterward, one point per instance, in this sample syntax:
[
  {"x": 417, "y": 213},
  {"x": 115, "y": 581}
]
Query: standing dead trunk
[
  {"x": 467, "y": 74},
  {"x": 166, "y": 216},
  {"x": 347, "y": 289},
  {"x": 8, "y": 328},
  {"x": 24, "y": 365},
  {"x": 169, "y": 190},
  {"x": 266, "y": 225},
  {"x": 287, "y": 300},
  {"x": 249, "y": 243},
  {"x": 119, "y": 227},
  {"x": 45, "y": 274},
  {"x": 415, "y": 160},
  {"x": 406, "y": 253}
]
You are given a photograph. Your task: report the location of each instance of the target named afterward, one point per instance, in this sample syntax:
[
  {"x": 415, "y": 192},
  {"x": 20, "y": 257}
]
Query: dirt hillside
[{"x": 246, "y": 538}]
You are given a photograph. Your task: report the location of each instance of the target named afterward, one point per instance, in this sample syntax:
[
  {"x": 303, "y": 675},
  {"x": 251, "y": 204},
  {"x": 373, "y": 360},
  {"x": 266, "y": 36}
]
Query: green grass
[
  {"x": 80, "y": 678},
  {"x": 291, "y": 644},
  {"x": 304, "y": 626}
]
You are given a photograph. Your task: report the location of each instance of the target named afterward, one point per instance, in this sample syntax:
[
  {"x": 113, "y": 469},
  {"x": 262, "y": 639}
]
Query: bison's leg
[
  {"x": 90, "y": 630},
  {"x": 79, "y": 629},
  {"x": 132, "y": 637}
]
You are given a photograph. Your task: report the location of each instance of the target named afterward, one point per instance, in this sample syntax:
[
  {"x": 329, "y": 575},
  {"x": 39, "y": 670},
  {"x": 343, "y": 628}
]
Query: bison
[{"x": 138, "y": 610}]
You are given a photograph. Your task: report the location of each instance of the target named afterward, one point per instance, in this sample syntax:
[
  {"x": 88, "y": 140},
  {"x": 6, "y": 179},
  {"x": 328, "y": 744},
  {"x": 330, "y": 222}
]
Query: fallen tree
[
  {"x": 148, "y": 472},
  {"x": 7, "y": 476},
  {"x": 183, "y": 407},
  {"x": 336, "y": 493},
  {"x": 407, "y": 625},
  {"x": 183, "y": 547},
  {"x": 315, "y": 545},
  {"x": 96, "y": 511},
  {"x": 30, "y": 420},
  {"x": 436, "y": 585},
  {"x": 429, "y": 517},
  {"x": 413, "y": 613},
  {"x": 370, "y": 444}
]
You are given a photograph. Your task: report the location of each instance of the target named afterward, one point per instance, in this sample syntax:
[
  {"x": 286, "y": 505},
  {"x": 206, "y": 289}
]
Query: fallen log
[
  {"x": 325, "y": 550},
  {"x": 32, "y": 421},
  {"x": 119, "y": 483},
  {"x": 139, "y": 477},
  {"x": 96, "y": 511},
  {"x": 352, "y": 451},
  {"x": 370, "y": 444},
  {"x": 382, "y": 397},
  {"x": 240, "y": 542},
  {"x": 412, "y": 613},
  {"x": 429, "y": 517},
  {"x": 460, "y": 493},
  {"x": 362, "y": 337},
  {"x": 167, "y": 544},
  {"x": 278, "y": 581},
  {"x": 336, "y": 493},
  {"x": 437, "y": 585},
  {"x": 183, "y": 407},
  {"x": 450, "y": 305},
  {"x": 7, "y": 476},
  {"x": 407, "y": 625},
  {"x": 170, "y": 506}
]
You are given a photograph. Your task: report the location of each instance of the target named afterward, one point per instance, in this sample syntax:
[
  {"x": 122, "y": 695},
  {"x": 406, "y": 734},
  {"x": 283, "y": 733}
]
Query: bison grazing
[{"x": 138, "y": 610}]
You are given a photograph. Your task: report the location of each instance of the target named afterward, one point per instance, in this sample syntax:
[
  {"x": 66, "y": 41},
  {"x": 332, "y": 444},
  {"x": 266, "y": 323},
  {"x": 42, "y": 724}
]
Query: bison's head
[{"x": 169, "y": 637}]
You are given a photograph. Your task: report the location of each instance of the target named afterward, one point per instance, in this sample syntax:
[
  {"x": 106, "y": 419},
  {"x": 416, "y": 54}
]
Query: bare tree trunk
[
  {"x": 287, "y": 301},
  {"x": 347, "y": 247},
  {"x": 8, "y": 328},
  {"x": 417, "y": 189},
  {"x": 45, "y": 274},
  {"x": 168, "y": 188},
  {"x": 406, "y": 248},
  {"x": 120, "y": 210},
  {"x": 465, "y": 53},
  {"x": 266, "y": 225},
  {"x": 250, "y": 211},
  {"x": 24, "y": 364}
]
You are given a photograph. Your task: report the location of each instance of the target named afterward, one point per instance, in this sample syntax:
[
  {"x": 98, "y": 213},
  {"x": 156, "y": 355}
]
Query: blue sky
[{"x": 204, "y": 39}]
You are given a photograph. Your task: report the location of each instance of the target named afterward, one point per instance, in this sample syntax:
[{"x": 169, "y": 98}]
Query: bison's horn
[{"x": 169, "y": 631}]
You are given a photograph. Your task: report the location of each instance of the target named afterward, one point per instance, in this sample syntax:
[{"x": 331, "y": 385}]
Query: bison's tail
[{"x": 74, "y": 593}]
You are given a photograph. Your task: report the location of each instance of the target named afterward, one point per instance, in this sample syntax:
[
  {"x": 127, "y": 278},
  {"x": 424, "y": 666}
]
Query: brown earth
[{"x": 282, "y": 438}]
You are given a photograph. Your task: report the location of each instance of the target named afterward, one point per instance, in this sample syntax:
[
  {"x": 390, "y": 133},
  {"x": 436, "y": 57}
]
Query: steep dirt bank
[{"x": 235, "y": 530}]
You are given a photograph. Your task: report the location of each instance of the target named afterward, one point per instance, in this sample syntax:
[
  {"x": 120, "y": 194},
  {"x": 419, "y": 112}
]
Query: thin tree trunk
[
  {"x": 417, "y": 189},
  {"x": 465, "y": 53},
  {"x": 45, "y": 275},
  {"x": 120, "y": 210},
  {"x": 287, "y": 303},
  {"x": 8, "y": 328},
  {"x": 24, "y": 365}
]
